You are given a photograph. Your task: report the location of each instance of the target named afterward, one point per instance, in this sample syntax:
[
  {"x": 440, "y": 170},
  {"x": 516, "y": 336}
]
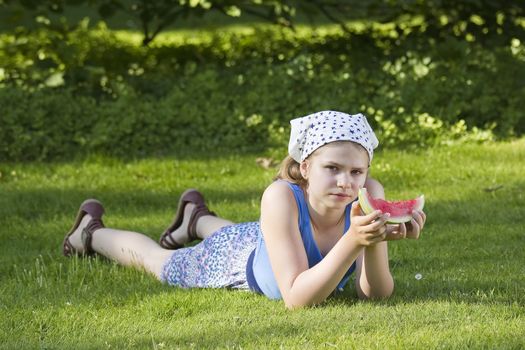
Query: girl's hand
[
  {"x": 411, "y": 229},
  {"x": 367, "y": 229}
]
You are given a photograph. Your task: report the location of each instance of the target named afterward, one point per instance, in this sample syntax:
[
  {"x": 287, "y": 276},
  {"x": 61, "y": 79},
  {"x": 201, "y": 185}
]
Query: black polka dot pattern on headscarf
[{"x": 315, "y": 130}]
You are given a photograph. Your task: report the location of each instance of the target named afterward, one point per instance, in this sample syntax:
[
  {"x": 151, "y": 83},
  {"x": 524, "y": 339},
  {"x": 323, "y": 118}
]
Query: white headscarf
[{"x": 315, "y": 130}]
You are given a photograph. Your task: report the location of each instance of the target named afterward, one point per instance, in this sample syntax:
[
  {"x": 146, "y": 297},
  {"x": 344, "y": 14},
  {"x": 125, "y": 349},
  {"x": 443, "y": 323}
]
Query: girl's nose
[{"x": 344, "y": 181}]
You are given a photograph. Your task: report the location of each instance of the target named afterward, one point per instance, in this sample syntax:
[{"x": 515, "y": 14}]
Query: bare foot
[
  {"x": 180, "y": 235},
  {"x": 76, "y": 237}
]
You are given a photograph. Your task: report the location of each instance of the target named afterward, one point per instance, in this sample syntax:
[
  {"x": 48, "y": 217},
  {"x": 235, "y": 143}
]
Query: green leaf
[
  {"x": 55, "y": 79},
  {"x": 233, "y": 11}
]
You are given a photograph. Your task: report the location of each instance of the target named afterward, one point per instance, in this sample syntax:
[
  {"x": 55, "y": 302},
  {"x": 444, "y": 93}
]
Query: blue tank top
[{"x": 259, "y": 271}]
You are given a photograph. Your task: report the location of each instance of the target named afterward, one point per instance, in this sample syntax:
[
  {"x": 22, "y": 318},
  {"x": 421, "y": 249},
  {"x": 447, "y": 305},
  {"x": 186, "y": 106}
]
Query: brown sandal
[
  {"x": 189, "y": 196},
  {"x": 95, "y": 209}
]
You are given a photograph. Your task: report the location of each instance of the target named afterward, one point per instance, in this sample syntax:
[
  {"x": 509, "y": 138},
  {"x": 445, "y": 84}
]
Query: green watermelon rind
[{"x": 367, "y": 207}]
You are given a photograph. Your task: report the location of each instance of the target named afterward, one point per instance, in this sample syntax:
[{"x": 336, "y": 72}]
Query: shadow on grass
[
  {"x": 219, "y": 152},
  {"x": 39, "y": 204}
]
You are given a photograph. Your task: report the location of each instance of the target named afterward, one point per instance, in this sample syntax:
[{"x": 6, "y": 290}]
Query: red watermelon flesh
[{"x": 400, "y": 211}]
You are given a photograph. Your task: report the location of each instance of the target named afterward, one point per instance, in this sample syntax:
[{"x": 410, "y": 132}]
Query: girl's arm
[
  {"x": 299, "y": 284},
  {"x": 373, "y": 273},
  {"x": 373, "y": 277}
]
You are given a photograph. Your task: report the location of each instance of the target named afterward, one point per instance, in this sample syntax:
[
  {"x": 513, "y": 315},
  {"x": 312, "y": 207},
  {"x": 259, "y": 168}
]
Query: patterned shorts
[{"x": 219, "y": 261}]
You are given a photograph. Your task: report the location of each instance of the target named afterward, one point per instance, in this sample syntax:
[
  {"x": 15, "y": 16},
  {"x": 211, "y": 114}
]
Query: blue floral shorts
[{"x": 219, "y": 261}]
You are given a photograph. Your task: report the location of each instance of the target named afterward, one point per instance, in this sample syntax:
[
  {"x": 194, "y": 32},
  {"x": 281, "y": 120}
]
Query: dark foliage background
[{"x": 425, "y": 73}]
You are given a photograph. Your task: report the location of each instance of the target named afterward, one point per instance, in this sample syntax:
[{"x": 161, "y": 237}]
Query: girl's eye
[
  {"x": 357, "y": 172},
  {"x": 331, "y": 167}
]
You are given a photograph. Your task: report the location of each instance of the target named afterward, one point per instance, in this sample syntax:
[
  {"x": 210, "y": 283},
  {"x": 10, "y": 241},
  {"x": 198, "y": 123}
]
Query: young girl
[{"x": 310, "y": 238}]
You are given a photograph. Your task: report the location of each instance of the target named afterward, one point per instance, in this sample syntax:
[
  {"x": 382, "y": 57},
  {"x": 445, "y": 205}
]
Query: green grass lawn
[{"x": 471, "y": 258}]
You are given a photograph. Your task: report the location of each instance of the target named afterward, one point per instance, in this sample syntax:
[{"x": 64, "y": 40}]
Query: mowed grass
[{"x": 471, "y": 258}]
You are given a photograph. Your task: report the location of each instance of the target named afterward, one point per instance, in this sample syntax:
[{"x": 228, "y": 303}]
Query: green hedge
[{"x": 89, "y": 91}]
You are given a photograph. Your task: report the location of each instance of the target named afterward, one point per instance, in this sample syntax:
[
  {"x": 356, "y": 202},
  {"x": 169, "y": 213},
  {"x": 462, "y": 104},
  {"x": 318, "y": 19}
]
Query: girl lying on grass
[{"x": 312, "y": 234}]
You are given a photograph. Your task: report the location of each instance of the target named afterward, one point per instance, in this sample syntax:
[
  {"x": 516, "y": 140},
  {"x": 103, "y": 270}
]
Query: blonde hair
[{"x": 289, "y": 170}]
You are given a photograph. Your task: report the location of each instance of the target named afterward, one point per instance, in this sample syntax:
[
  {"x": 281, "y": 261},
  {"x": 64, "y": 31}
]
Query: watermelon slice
[{"x": 400, "y": 211}]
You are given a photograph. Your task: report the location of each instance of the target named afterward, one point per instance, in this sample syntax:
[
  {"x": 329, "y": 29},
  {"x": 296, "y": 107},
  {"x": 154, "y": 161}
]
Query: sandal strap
[
  {"x": 190, "y": 196},
  {"x": 198, "y": 211},
  {"x": 67, "y": 248},
  {"x": 90, "y": 207},
  {"x": 87, "y": 235},
  {"x": 168, "y": 242}
]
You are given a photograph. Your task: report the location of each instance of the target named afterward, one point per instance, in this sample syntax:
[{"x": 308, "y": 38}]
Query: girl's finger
[
  {"x": 403, "y": 230},
  {"x": 355, "y": 209},
  {"x": 392, "y": 233},
  {"x": 357, "y": 214},
  {"x": 421, "y": 218},
  {"x": 374, "y": 226},
  {"x": 414, "y": 232},
  {"x": 380, "y": 231},
  {"x": 393, "y": 236},
  {"x": 376, "y": 237},
  {"x": 373, "y": 215}
]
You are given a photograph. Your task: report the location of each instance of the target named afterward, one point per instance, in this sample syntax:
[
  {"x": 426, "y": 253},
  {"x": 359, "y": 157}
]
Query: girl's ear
[{"x": 304, "y": 169}]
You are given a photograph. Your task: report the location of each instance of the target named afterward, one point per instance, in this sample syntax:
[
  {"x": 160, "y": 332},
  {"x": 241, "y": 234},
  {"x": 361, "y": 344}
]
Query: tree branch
[
  {"x": 168, "y": 19},
  {"x": 332, "y": 18},
  {"x": 144, "y": 19}
]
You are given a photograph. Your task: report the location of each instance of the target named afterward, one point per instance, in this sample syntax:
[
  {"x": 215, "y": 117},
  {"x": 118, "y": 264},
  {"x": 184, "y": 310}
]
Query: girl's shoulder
[
  {"x": 279, "y": 211},
  {"x": 279, "y": 188},
  {"x": 278, "y": 191}
]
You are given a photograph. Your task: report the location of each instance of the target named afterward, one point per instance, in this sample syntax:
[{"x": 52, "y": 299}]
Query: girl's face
[{"x": 335, "y": 172}]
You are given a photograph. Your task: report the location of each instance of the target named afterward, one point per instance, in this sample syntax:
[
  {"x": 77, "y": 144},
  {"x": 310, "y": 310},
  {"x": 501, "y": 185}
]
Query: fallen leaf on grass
[{"x": 266, "y": 163}]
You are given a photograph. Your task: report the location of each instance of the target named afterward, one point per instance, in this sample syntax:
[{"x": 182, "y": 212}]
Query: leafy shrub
[
  {"x": 87, "y": 90},
  {"x": 43, "y": 124}
]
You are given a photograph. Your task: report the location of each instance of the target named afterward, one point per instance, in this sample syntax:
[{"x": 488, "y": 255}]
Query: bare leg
[
  {"x": 209, "y": 224},
  {"x": 131, "y": 249},
  {"x": 125, "y": 247}
]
